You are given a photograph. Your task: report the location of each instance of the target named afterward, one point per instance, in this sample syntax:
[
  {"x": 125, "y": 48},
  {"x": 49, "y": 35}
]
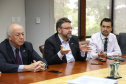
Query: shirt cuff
[
  {"x": 21, "y": 68},
  {"x": 82, "y": 54},
  {"x": 60, "y": 55}
]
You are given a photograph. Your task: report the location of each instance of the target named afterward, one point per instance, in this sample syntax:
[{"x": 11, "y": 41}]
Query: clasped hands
[
  {"x": 102, "y": 55},
  {"x": 35, "y": 66}
]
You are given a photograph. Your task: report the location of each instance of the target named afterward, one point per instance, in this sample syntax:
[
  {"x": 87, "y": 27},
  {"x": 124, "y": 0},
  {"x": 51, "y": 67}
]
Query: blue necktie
[{"x": 18, "y": 59}]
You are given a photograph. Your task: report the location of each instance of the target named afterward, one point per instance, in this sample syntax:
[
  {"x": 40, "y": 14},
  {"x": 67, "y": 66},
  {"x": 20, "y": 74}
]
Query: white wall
[
  {"x": 28, "y": 10},
  {"x": 38, "y": 33},
  {"x": 9, "y": 9}
]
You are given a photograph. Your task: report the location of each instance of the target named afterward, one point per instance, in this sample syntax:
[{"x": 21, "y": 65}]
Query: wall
[
  {"x": 19, "y": 11},
  {"x": 37, "y": 33},
  {"x": 11, "y": 11}
]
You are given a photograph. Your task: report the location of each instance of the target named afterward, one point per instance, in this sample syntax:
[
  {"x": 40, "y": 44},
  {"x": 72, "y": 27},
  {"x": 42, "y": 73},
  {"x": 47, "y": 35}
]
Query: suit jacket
[
  {"x": 52, "y": 47},
  {"x": 8, "y": 61}
]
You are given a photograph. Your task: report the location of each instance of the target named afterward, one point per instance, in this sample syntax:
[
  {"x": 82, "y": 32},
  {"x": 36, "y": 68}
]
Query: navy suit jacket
[
  {"x": 52, "y": 47},
  {"x": 8, "y": 61}
]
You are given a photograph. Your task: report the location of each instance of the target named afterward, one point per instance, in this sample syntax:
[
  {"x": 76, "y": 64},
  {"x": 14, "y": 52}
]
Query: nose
[
  {"x": 21, "y": 36},
  {"x": 70, "y": 29}
]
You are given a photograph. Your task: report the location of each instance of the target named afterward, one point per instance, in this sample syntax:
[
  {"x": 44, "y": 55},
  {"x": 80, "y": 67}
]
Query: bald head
[
  {"x": 15, "y": 34},
  {"x": 11, "y": 27}
]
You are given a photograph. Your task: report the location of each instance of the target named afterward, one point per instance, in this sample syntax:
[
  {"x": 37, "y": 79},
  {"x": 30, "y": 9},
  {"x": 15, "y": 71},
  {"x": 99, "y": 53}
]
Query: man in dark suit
[
  {"x": 63, "y": 47},
  {"x": 17, "y": 55}
]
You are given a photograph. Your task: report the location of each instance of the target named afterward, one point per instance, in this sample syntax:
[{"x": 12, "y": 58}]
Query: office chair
[
  {"x": 121, "y": 38},
  {"x": 41, "y": 48}
]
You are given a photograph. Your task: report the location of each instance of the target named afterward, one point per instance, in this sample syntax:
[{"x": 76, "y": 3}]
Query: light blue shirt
[
  {"x": 69, "y": 56},
  {"x": 21, "y": 67}
]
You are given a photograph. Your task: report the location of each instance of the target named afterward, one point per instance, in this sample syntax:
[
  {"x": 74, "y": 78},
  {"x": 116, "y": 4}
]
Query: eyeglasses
[{"x": 67, "y": 28}]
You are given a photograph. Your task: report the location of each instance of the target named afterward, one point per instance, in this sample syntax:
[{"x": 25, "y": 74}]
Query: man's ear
[
  {"x": 59, "y": 30},
  {"x": 9, "y": 37}
]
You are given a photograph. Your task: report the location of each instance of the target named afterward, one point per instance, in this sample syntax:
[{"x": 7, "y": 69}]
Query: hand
[
  {"x": 102, "y": 55},
  {"x": 36, "y": 66},
  {"x": 63, "y": 51},
  {"x": 40, "y": 67},
  {"x": 84, "y": 48},
  {"x": 0, "y": 73}
]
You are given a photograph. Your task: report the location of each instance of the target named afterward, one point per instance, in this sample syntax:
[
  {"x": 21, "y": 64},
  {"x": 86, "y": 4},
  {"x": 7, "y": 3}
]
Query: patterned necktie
[
  {"x": 105, "y": 45},
  {"x": 18, "y": 59}
]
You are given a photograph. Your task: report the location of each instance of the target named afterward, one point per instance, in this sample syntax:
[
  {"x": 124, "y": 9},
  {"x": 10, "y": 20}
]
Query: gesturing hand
[
  {"x": 63, "y": 51},
  {"x": 84, "y": 48}
]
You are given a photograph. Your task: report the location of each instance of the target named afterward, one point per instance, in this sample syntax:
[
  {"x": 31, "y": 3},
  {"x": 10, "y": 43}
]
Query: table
[{"x": 66, "y": 69}]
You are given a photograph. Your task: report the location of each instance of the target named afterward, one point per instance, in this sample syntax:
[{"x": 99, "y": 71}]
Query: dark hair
[
  {"x": 107, "y": 20},
  {"x": 61, "y": 21}
]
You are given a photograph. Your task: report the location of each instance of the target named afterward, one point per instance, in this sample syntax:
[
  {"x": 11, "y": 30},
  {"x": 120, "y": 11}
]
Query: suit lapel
[
  {"x": 10, "y": 52},
  {"x": 58, "y": 42},
  {"x": 58, "y": 45},
  {"x": 72, "y": 46},
  {"x": 24, "y": 54}
]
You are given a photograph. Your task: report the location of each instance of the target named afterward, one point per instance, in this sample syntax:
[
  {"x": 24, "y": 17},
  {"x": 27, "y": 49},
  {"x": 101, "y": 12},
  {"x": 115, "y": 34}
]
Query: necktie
[
  {"x": 18, "y": 59},
  {"x": 105, "y": 45}
]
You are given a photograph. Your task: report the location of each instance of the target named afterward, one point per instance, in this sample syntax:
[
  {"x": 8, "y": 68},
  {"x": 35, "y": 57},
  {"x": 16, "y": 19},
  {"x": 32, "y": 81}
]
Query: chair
[
  {"x": 121, "y": 38},
  {"x": 41, "y": 48}
]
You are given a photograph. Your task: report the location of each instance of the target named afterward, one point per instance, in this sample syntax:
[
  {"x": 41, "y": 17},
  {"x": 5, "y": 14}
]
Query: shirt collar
[
  {"x": 103, "y": 37},
  {"x": 13, "y": 48},
  {"x": 62, "y": 41}
]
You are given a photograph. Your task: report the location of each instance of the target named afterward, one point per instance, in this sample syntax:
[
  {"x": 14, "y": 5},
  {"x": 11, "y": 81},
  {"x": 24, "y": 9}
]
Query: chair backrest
[
  {"x": 41, "y": 48},
  {"x": 122, "y": 42}
]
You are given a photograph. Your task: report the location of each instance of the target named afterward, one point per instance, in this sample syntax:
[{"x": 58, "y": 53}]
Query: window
[
  {"x": 119, "y": 16},
  {"x": 96, "y": 10},
  {"x": 69, "y": 9}
]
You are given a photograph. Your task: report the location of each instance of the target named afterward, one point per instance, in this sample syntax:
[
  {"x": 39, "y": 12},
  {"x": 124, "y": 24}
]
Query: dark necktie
[
  {"x": 105, "y": 45},
  {"x": 18, "y": 59}
]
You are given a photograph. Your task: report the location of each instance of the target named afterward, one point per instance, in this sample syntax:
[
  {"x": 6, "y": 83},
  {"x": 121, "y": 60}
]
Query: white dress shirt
[
  {"x": 97, "y": 44},
  {"x": 69, "y": 56}
]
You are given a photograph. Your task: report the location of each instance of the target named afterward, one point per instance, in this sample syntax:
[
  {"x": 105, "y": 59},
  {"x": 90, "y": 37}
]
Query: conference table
[{"x": 68, "y": 71}]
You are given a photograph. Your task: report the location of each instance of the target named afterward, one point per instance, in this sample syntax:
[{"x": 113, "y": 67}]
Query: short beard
[
  {"x": 105, "y": 34},
  {"x": 66, "y": 37}
]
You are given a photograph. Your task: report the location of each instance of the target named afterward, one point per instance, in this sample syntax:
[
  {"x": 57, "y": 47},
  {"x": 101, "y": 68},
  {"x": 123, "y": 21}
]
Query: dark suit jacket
[
  {"x": 8, "y": 61},
  {"x": 122, "y": 42},
  {"x": 52, "y": 47}
]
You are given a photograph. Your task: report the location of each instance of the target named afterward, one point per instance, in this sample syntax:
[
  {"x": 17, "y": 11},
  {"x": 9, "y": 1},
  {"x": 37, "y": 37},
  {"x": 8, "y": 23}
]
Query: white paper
[{"x": 92, "y": 80}]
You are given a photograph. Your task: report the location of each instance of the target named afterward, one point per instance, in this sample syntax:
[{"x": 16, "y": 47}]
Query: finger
[
  {"x": 37, "y": 69},
  {"x": 34, "y": 61},
  {"x": 61, "y": 47},
  {"x": 68, "y": 48},
  {"x": 42, "y": 69}
]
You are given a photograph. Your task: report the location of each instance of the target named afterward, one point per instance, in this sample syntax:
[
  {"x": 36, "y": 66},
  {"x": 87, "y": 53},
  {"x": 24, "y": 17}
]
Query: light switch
[
  {"x": 13, "y": 19},
  {"x": 37, "y": 20}
]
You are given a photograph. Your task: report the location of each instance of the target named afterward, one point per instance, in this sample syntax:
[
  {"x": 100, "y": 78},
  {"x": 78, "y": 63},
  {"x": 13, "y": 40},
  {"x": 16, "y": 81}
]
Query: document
[{"x": 92, "y": 80}]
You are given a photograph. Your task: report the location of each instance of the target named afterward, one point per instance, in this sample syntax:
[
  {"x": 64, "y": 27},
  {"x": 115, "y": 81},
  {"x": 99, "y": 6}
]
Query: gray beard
[{"x": 67, "y": 37}]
